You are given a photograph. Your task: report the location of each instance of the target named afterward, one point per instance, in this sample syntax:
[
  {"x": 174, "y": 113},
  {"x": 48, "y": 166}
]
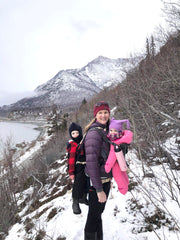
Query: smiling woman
[{"x": 100, "y": 181}]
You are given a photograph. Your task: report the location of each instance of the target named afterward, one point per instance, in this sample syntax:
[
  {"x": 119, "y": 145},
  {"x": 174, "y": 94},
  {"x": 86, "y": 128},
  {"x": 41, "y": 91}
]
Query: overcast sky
[{"x": 41, "y": 37}]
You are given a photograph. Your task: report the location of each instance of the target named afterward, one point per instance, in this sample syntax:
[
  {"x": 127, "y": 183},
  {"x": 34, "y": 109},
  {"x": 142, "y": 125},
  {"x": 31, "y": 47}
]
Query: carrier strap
[{"x": 99, "y": 130}]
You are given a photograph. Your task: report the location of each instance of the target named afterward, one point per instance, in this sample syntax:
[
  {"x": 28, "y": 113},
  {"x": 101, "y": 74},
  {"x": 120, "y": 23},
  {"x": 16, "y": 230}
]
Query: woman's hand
[
  {"x": 101, "y": 197},
  {"x": 71, "y": 177}
]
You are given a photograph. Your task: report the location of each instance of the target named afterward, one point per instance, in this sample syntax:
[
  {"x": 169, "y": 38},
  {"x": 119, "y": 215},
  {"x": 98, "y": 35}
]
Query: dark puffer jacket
[{"x": 94, "y": 146}]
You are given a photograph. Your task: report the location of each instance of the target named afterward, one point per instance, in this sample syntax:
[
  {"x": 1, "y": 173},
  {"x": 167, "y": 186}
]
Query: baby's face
[
  {"x": 113, "y": 134},
  {"x": 113, "y": 131},
  {"x": 75, "y": 134}
]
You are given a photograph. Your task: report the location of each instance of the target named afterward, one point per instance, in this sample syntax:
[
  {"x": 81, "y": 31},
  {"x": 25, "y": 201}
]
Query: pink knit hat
[
  {"x": 118, "y": 124},
  {"x": 101, "y": 106}
]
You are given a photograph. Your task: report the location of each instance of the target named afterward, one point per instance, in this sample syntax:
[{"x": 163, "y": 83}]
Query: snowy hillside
[
  {"x": 149, "y": 211},
  {"x": 144, "y": 213}
]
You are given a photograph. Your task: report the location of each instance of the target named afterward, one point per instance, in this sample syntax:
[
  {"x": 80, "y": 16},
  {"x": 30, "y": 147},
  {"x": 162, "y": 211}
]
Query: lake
[{"x": 18, "y": 132}]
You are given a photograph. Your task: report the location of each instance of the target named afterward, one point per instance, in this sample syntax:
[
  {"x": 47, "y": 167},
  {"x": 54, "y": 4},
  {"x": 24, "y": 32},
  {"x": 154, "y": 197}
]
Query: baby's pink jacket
[{"x": 120, "y": 177}]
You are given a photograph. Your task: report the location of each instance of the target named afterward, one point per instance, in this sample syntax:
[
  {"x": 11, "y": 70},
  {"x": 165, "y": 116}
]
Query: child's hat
[
  {"x": 118, "y": 124},
  {"x": 75, "y": 127}
]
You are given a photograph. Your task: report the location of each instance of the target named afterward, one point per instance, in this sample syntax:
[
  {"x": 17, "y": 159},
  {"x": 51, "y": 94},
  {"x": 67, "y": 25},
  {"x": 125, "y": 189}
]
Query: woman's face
[{"x": 102, "y": 116}]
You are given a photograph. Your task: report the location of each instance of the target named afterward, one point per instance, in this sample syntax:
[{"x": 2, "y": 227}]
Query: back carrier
[
  {"x": 81, "y": 181},
  {"x": 80, "y": 150},
  {"x": 80, "y": 165}
]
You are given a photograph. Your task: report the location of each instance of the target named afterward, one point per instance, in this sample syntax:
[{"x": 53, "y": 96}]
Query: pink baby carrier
[
  {"x": 116, "y": 160},
  {"x": 121, "y": 161},
  {"x": 119, "y": 154}
]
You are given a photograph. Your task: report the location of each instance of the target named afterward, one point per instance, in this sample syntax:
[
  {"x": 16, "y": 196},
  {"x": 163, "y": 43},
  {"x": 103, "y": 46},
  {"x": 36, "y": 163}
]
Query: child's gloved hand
[
  {"x": 117, "y": 148},
  {"x": 124, "y": 147}
]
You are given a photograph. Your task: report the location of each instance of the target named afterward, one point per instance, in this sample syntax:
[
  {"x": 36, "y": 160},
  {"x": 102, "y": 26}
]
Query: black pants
[
  {"x": 94, "y": 220},
  {"x": 80, "y": 182}
]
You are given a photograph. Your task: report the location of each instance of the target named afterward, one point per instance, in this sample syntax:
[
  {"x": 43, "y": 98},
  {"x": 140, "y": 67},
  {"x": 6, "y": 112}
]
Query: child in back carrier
[
  {"x": 75, "y": 173},
  {"x": 116, "y": 160}
]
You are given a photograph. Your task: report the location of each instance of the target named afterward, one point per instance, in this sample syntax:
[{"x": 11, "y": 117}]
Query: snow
[
  {"x": 124, "y": 215},
  {"x": 171, "y": 146},
  {"x": 117, "y": 225},
  {"x": 22, "y": 160},
  {"x": 113, "y": 111},
  {"x": 85, "y": 82},
  {"x": 120, "y": 222}
]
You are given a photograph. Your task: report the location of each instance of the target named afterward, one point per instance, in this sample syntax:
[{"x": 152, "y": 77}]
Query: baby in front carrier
[
  {"x": 75, "y": 170},
  {"x": 116, "y": 160}
]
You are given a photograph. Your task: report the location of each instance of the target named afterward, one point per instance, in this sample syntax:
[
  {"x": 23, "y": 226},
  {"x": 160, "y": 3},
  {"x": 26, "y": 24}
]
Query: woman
[{"x": 97, "y": 151}]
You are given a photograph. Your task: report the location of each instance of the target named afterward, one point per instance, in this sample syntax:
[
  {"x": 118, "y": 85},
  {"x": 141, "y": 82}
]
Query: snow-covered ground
[
  {"x": 149, "y": 211},
  {"x": 123, "y": 218}
]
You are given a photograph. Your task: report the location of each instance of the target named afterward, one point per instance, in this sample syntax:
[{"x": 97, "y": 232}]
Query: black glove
[
  {"x": 117, "y": 148},
  {"x": 124, "y": 147}
]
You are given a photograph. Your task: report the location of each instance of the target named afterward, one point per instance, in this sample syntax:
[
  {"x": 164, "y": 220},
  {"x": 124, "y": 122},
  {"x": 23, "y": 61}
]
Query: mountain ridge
[{"x": 69, "y": 87}]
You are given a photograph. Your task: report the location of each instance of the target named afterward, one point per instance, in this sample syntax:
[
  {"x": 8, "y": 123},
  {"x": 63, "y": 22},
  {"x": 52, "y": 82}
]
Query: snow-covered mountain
[{"x": 71, "y": 86}]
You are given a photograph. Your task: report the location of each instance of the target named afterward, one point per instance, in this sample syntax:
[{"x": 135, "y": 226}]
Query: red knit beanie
[{"x": 101, "y": 106}]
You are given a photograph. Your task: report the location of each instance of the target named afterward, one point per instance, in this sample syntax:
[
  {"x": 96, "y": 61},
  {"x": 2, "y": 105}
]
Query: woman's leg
[{"x": 93, "y": 227}]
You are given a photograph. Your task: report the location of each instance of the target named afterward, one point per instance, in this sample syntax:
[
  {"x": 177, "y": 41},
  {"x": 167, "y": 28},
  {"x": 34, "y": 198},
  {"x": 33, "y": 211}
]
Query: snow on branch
[{"x": 166, "y": 116}]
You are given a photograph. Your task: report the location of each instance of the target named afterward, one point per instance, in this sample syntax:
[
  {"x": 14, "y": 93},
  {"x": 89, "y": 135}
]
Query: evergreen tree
[
  {"x": 53, "y": 120},
  {"x": 84, "y": 101},
  {"x": 147, "y": 49},
  {"x": 153, "y": 47}
]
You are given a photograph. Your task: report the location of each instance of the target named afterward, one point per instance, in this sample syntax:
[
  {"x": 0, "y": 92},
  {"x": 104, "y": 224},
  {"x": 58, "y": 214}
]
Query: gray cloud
[{"x": 7, "y": 98}]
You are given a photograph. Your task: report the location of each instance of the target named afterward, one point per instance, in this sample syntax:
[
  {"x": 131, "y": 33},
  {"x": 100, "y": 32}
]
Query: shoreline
[
  {"x": 39, "y": 126},
  {"x": 38, "y": 122}
]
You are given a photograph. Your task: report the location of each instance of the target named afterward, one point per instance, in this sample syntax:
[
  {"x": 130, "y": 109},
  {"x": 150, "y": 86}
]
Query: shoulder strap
[
  {"x": 105, "y": 139},
  {"x": 99, "y": 130},
  {"x": 84, "y": 136}
]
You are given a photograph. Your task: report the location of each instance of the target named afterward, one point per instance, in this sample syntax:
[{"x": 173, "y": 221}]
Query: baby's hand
[
  {"x": 71, "y": 177},
  {"x": 124, "y": 147}
]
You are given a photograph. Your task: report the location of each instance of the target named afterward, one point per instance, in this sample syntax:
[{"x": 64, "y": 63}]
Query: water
[{"x": 18, "y": 132}]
